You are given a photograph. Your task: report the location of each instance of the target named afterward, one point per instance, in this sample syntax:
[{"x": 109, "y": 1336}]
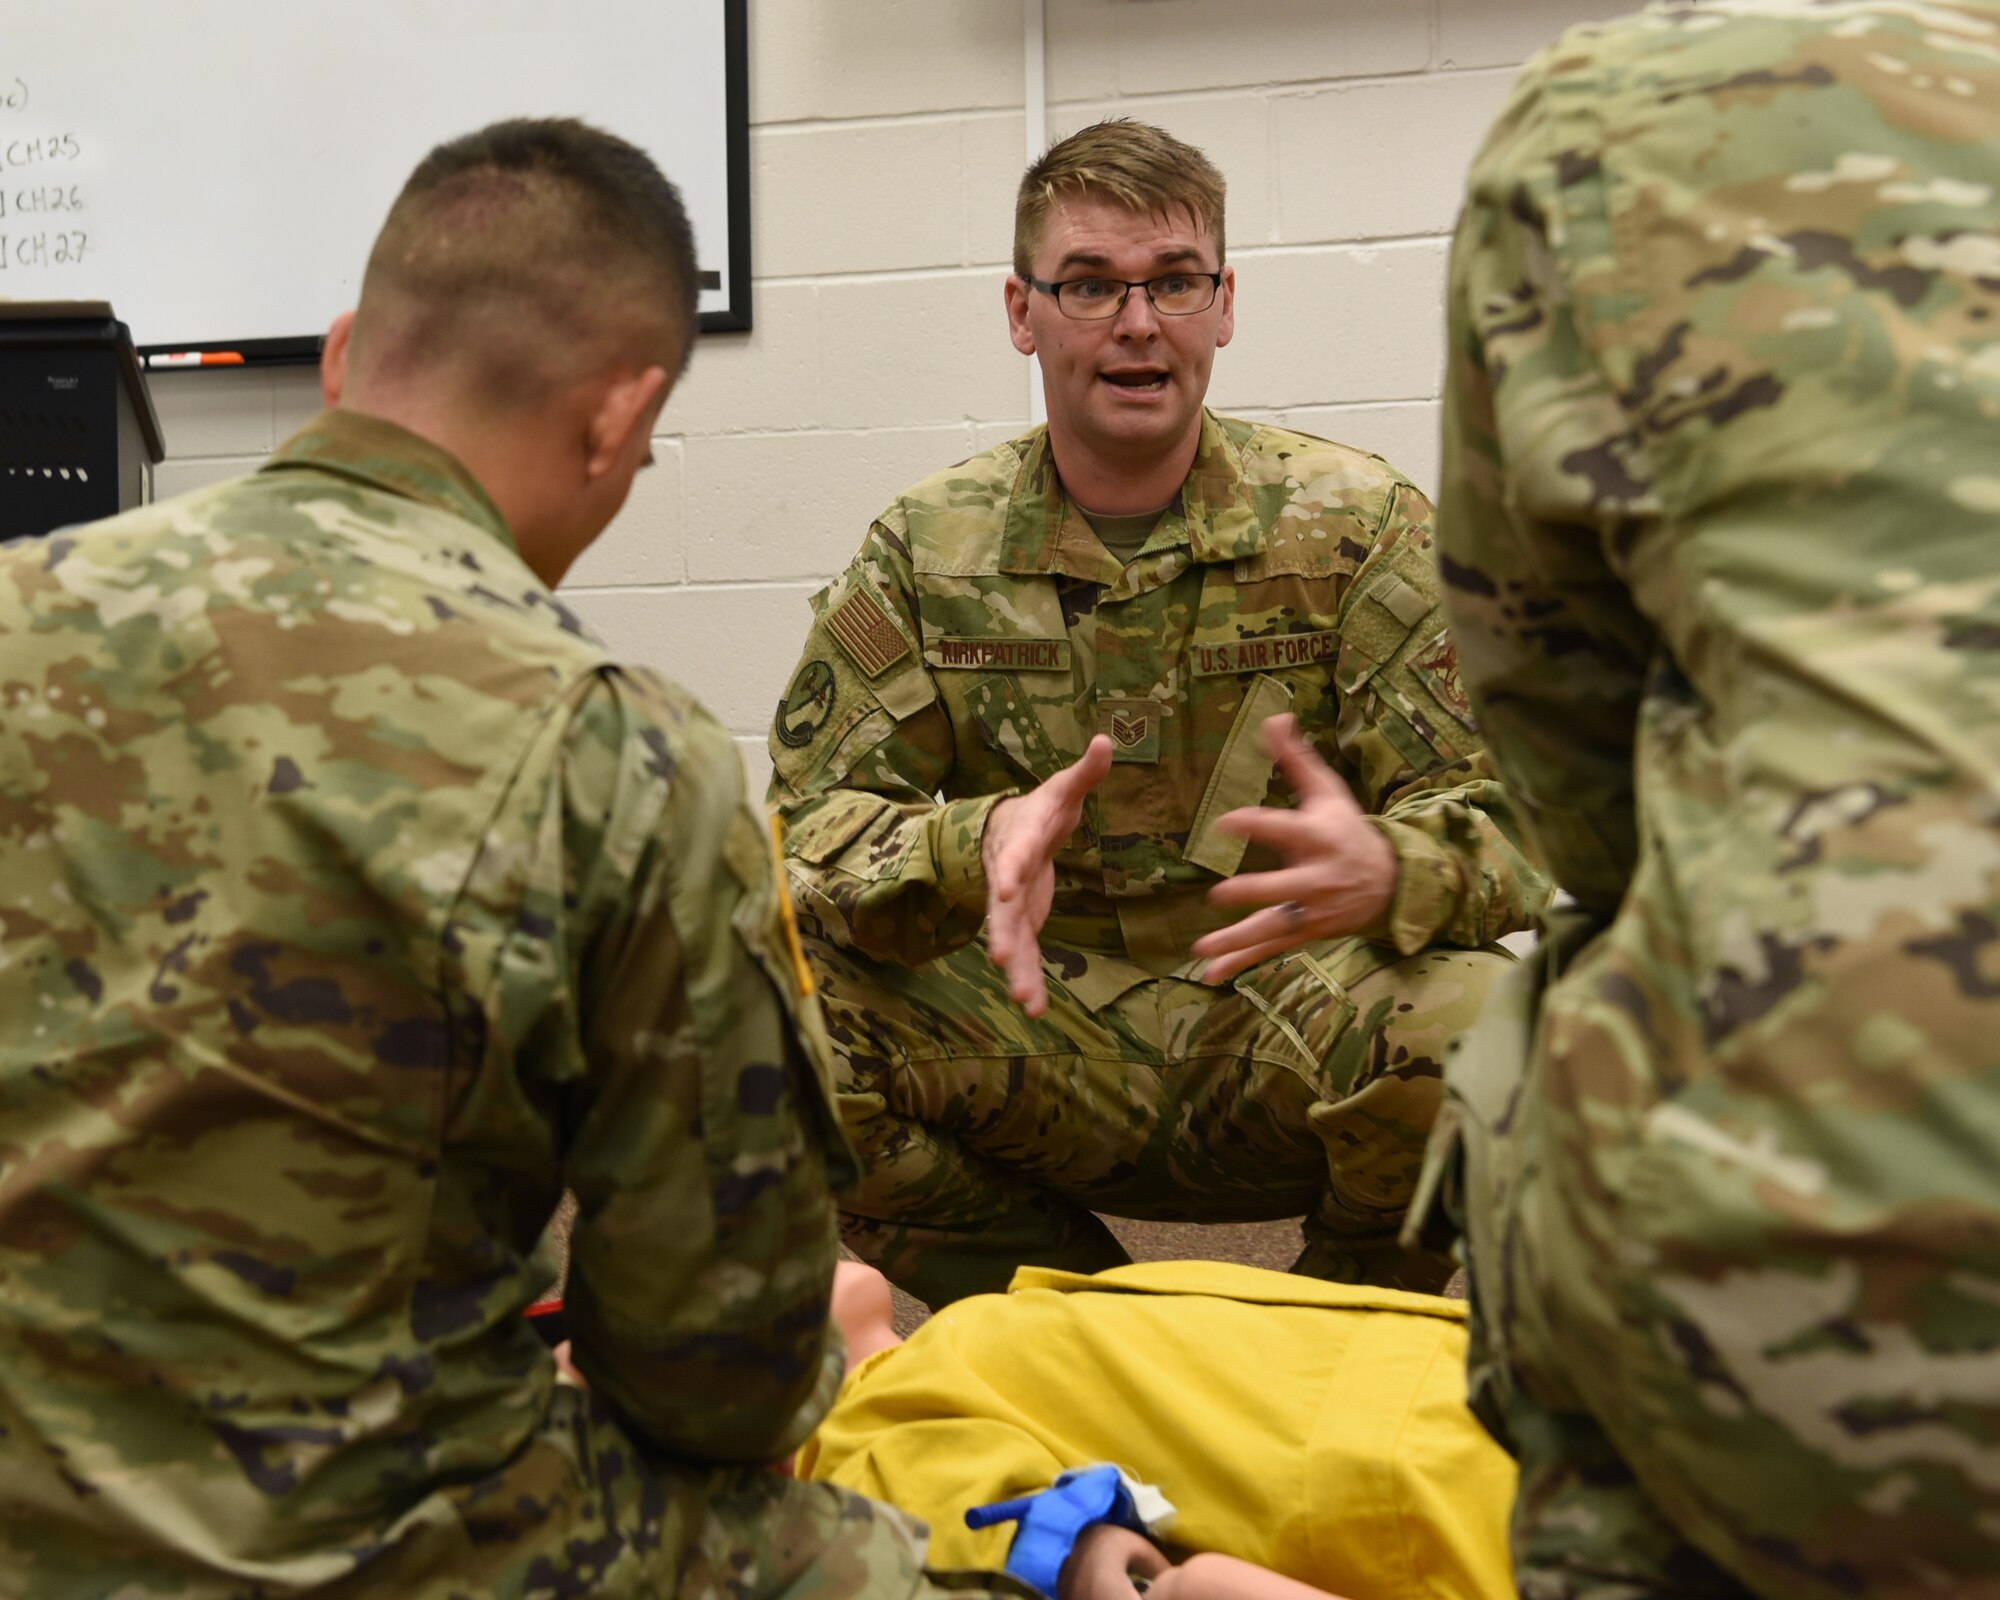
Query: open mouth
[{"x": 1150, "y": 380}]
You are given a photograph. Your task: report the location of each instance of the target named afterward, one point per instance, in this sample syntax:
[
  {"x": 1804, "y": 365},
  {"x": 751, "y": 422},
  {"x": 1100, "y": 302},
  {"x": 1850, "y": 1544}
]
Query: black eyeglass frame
[{"x": 1054, "y": 292}]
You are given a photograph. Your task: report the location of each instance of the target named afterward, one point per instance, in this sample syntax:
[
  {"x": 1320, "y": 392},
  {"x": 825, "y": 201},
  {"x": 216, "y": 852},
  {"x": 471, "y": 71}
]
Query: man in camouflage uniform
[
  {"x": 1719, "y": 534},
  {"x": 1036, "y": 698},
  {"x": 357, "y": 901}
]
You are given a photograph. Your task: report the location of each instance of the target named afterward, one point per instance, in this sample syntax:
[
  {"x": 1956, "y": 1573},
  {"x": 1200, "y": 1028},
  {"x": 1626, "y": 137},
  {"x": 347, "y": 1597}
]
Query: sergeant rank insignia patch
[
  {"x": 864, "y": 631},
  {"x": 1134, "y": 726}
]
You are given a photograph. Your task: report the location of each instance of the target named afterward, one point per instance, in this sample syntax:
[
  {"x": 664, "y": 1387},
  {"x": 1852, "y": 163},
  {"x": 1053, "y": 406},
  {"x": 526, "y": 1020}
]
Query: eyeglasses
[{"x": 1174, "y": 294}]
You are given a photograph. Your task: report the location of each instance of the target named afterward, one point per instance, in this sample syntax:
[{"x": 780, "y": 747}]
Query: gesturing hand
[
  {"x": 1023, "y": 837},
  {"x": 1341, "y": 874}
]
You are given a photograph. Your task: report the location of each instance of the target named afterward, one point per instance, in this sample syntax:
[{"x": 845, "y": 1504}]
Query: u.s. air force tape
[{"x": 1269, "y": 653}]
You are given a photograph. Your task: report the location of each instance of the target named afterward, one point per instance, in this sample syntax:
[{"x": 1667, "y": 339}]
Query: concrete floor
[{"x": 1256, "y": 1244}]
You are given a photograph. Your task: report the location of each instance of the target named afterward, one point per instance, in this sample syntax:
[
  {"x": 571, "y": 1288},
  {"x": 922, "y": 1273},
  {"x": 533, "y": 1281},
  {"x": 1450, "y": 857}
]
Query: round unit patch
[{"x": 807, "y": 704}]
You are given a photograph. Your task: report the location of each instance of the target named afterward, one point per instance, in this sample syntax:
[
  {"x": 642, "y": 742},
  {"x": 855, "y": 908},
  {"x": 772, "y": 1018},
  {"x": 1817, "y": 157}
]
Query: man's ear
[
  {"x": 1226, "y": 329},
  {"x": 333, "y": 359},
  {"x": 624, "y": 414},
  {"x": 1018, "y": 295}
]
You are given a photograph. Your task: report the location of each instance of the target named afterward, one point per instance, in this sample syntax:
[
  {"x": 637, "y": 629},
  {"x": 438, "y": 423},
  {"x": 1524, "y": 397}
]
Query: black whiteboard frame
[{"x": 303, "y": 350}]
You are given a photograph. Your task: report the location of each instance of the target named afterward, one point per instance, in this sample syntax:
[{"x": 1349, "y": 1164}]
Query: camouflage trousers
[
  {"x": 1730, "y": 1356},
  {"x": 990, "y": 1139},
  {"x": 584, "y": 1514}
]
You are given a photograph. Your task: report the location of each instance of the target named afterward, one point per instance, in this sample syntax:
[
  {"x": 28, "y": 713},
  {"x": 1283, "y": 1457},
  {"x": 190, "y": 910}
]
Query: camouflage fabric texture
[
  {"x": 357, "y": 902},
  {"x": 992, "y": 1139},
  {"x": 1718, "y": 533},
  {"x": 980, "y": 638}
]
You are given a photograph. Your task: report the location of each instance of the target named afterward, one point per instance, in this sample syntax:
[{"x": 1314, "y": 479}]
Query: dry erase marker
[{"x": 196, "y": 358}]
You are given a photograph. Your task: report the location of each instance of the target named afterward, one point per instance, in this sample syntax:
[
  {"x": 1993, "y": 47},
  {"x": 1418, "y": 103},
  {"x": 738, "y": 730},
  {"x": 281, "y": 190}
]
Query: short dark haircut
[{"x": 525, "y": 250}]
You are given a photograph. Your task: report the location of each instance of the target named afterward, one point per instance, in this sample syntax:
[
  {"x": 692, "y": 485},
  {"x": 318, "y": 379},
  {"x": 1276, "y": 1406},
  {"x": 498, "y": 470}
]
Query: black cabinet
[{"x": 77, "y": 424}]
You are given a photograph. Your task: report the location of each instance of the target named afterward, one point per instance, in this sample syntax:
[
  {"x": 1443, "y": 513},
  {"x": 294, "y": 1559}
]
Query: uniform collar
[
  {"x": 1215, "y": 517},
  {"x": 387, "y": 456}
]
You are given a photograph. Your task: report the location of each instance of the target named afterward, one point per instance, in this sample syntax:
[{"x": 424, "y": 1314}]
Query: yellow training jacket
[{"x": 1319, "y": 1429}]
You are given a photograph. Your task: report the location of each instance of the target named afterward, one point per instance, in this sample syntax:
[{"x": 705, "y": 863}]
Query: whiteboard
[{"x": 217, "y": 169}]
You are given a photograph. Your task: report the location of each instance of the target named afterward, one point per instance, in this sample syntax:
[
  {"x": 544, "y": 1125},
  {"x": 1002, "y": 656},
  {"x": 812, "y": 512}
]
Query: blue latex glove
[{"x": 1052, "y": 1520}]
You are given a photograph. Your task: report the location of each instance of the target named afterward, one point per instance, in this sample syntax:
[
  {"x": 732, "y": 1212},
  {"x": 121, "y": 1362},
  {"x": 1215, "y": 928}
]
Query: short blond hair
[{"x": 1132, "y": 164}]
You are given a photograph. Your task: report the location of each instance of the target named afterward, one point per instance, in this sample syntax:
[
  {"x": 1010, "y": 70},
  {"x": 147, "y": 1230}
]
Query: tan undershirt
[{"x": 1123, "y": 536}]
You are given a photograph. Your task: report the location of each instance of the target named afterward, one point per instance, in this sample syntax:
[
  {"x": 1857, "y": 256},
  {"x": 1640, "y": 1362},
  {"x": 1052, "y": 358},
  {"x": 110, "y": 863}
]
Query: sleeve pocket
[{"x": 823, "y": 831}]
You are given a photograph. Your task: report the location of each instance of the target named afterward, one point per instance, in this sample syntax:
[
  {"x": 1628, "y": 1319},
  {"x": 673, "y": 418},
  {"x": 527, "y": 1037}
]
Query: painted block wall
[{"x": 887, "y": 138}]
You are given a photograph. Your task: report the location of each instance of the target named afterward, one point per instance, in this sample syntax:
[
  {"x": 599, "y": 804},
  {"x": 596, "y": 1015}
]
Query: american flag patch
[{"x": 863, "y": 629}]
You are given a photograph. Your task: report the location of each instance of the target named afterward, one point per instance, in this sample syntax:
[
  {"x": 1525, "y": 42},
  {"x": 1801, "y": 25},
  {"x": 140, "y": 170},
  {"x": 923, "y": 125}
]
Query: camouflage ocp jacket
[
  {"x": 357, "y": 902},
  {"x": 983, "y": 634}
]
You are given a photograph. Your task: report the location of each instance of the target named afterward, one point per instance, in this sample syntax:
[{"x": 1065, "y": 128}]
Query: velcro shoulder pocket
[
  {"x": 878, "y": 646},
  {"x": 859, "y": 663},
  {"x": 1378, "y": 623},
  {"x": 820, "y": 708},
  {"x": 1395, "y": 646}
]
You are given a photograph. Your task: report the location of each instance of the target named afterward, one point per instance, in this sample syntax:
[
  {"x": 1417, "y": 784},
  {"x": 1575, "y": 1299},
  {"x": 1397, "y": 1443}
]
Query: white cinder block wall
[{"x": 887, "y": 139}]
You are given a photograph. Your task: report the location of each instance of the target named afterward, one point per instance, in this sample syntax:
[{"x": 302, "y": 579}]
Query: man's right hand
[{"x": 1024, "y": 835}]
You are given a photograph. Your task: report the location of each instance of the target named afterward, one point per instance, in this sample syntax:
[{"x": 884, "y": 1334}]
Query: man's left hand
[{"x": 1341, "y": 872}]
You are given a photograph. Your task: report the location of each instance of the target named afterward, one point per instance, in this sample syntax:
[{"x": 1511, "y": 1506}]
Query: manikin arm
[{"x": 1108, "y": 1559}]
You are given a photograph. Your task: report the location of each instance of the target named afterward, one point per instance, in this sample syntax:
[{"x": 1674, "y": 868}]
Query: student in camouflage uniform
[
  {"x": 1036, "y": 697},
  {"x": 356, "y": 902},
  {"x": 1721, "y": 535}
]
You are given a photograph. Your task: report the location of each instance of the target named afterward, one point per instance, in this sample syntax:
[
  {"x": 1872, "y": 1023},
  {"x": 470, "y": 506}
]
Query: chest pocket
[
  {"x": 1242, "y": 777},
  {"x": 998, "y": 652},
  {"x": 1009, "y": 728},
  {"x": 1262, "y": 645}
]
